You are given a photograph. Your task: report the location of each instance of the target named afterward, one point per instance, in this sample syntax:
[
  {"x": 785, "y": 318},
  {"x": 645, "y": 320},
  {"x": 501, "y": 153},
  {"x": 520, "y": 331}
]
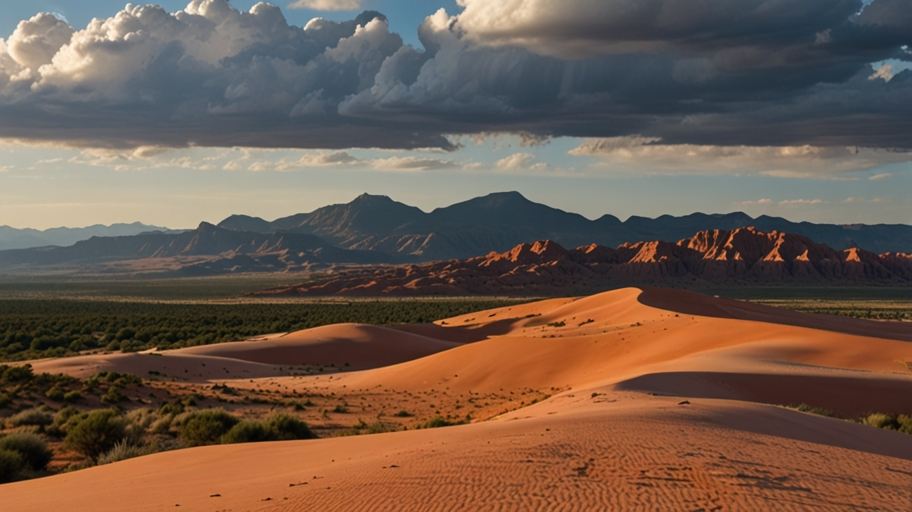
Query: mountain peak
[{"x": 369, "y": 198}]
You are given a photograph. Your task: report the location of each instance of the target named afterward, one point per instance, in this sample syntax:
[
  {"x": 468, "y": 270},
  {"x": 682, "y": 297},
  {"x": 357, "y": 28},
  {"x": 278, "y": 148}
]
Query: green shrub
[
  {"x": 36, "y": 416},
  {"x": 64, "y": 415},
  {"x": 72, "y": 396},
  {"x": 248, "y": 432},
  {"x": 123, "y": 450},
  {"x": 440, "y": 422},
  {"x": 11, "y": 464},
  {"x": 34, "y": 451},
  {"x": 162, "y": 425},
  {"x": 5, "y": 400},
  {"x": 814, "y": 410},
  {"x": 56, "y": 394},
  {"x": 113, "y": 396},
  {"x": 288, "y": 428},
  {"x": 904, "y": 423},
  {"x": 206, "y": 427},
  {"x": 277, "y": 427},
  {"x": 18, "y": 373},
  {"x": 168, "y": 408},
  {"x": 96, "y": 433},
  {"x": 880, "y": 420}
]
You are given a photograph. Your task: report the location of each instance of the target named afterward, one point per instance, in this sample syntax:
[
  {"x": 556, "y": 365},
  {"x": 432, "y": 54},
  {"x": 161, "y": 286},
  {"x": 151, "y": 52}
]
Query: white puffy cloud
[
  {"x": 327, "y": 5},
  {"x": 516, "y": 161},
  {"x": 35, "y": 42},
  {"x": 649, "y": 154},
  {"x": 410, "y": 163}
]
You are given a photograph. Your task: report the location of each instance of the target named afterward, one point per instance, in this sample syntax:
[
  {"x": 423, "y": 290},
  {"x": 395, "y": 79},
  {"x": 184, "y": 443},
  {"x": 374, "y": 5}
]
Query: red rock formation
[{"x": 545, "y": 268}]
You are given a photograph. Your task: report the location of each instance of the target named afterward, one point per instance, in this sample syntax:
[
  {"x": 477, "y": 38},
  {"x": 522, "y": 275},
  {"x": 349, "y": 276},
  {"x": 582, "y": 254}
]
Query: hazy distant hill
[
  {"x": 12, "y": 238},
  {"x": 500, "y": 221},
  {"x": 229, "y": 251}
]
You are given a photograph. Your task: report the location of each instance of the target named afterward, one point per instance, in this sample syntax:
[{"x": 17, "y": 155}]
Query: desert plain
[{"x": 633, "y": 399}]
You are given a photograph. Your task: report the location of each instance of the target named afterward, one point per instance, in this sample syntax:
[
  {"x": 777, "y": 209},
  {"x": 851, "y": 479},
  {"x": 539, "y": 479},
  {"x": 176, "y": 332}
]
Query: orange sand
[{"x": 606, "y": 442}]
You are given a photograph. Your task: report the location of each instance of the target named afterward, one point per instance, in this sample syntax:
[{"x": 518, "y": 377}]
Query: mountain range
[
  {"x": 499, "y": 221},
  {"x": 378, "y": 230},
  {"x": 12, "y": 238},
  {"x": 207, "y": 250},
  {"x": 544, "y": 268}
]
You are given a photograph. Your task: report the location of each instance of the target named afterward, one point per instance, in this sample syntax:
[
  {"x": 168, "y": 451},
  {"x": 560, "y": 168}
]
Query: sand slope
[
  {"x": 358, "y": 346},
  {"x": 607, "y": 439}
]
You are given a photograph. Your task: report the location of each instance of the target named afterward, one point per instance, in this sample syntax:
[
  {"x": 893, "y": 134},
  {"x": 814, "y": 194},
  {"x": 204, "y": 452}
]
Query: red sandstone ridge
[{"x": 545, "y": 268}]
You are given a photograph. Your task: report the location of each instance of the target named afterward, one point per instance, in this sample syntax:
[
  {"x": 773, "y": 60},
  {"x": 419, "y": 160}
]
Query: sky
[{"x": 175, "y": 113}]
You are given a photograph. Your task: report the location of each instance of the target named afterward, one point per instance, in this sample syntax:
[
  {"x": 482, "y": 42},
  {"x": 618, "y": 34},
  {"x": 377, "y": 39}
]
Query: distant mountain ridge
[
  {"x": 544, "y": 268},
  {"x": 218, "y": 250},
  {"x": 499, "y": 221},
  {"x": 12, "y": 238},
  {"x": 378, "y": 230}
]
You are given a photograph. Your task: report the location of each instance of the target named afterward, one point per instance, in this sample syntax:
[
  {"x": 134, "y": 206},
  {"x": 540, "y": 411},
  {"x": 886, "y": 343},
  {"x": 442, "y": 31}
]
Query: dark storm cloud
[{"x": 720, "y": 72}]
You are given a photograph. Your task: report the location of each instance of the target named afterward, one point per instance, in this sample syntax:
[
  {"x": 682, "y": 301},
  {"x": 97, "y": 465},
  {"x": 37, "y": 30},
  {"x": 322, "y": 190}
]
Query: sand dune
[
  {"x": 576, "y": 453},
  {"x": 174, "y": 364},
  {"x": 606, "y": 439},
  {"x": 353, "y": 345}
]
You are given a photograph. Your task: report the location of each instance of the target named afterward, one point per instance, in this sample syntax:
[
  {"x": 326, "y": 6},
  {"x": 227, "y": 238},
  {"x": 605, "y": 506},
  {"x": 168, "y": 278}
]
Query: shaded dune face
[{"x": 658, "y": 401}]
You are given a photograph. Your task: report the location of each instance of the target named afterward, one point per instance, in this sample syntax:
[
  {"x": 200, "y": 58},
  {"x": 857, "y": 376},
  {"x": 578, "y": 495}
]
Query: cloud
[
  {"x": 716, "y": 74},
  {"x": 411, "y": 164},
  {"x": 793, "y": 202},
  {"x": 881, "y": 176},
  {"x": 309, "y": 160},
  {"x": 863, "y": 200},
  {"x": 517, "y": 161},
  {"x": 884, "y": 72},
  {"x": 327, "y": 5},
  {"x": 648, "y": 154}
]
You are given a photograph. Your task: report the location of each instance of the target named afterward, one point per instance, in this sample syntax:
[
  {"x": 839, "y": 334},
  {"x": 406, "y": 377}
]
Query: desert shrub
[
  {"x": 340, "y": 409},
  {"x": 206, "y": 427},
  {"x": 36, "y": 416},
  {"x": 5, "y": 400},
  {"x": 879, "y": 420},
  {"x": 35, "y": 453},
  {"x": 18, "y": 373},
  {"x": 248, "y": 432},
  {"x": 55, "y": 393},
  {"x": 96, "y": 433},
  {"x": 162, "y": 425},
  {"x": 439, "y": 422},
  {"x": 904, "y": 423},
  {"x": 277, "y": 427},
  {"x": 113, "y": 396},
  {"x": 901, "y": 423},
  {"x": 171, "y": 408},
  {"x": 64, "y": 415},
  {"x": 122, "y": 450},
  {"x": 403, "y": 414},
  {"x": 11, "y": 464},
  {"x": 72, "y": 396},
  {"x": 814, "y": 410},
  {"x": 288, "y": 428}
]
